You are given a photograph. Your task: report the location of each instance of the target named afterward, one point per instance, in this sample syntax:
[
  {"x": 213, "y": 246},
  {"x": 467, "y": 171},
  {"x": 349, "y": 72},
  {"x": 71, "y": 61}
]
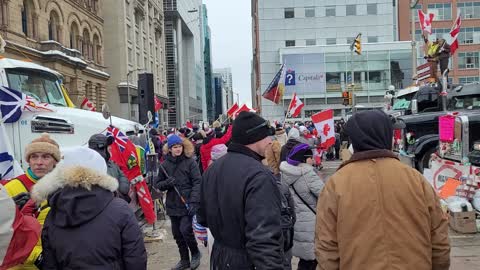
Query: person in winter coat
[
  {"x": 305, "y": 185},
  {"x": 293, "y": 139},
  {"x": 377, "y": 213},
  {"x": 209, "y": 142},
  {"x": 180, "y": 174},
  {"x": 101, "y": 144},
  {"x": 19, "y": 233},
  {"x": 272, "y": 156},
  {"x": 280, "y": 135},
  {"x": 87, "y": 227},
  {"x": 240, "y": 202}
]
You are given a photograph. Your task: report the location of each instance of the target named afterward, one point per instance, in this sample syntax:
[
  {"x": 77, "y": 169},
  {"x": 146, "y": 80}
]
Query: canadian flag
[
  {"x": 232, "y": 109},
  {"x": 295, "y": 107},
  {"x": 453, "y": 41},
  {"x": 244, "y": 108},
  {"x": 87, "y": 105},
  {"x": 323, "y": 122},
  {"x": 158, "y": 104},
  {"x": 426, "y": 21}
]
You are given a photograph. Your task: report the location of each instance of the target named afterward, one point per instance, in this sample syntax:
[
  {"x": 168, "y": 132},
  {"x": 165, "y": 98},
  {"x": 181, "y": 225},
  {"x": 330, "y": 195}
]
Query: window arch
[
  {"x": 86, "y": 50},
  {"x": 97, "y": 49},
  {"x": 54, "y": 26},
  {"x": 28, "y": 16},
  {"x": 74, "y": 34}
]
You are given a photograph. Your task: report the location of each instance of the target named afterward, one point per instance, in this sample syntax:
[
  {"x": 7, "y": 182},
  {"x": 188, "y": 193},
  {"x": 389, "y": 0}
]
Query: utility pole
[
  {"x": 413, "y": 4},
  {"x": 353, "y": 83}
]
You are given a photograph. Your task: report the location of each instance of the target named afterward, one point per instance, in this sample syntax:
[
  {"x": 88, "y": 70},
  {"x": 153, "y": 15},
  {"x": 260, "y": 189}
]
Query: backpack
[{"x": 287, "y": 215}]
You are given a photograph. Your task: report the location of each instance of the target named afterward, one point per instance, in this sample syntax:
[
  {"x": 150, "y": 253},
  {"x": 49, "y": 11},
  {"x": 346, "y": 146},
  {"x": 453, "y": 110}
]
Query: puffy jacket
[
  {"x": 87, "y": 227},
  {"x": 115, "y": 172},
  {"x": 376, "y": 213},
  {"x": 206, "y": 149},
  {"x": 241, "y": 205},
  {"x": 187, "y": 179},
  {"x": 305, "y": 186}
]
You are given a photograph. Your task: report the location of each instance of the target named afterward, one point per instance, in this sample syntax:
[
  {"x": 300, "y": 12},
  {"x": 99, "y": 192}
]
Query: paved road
[{"x": 465, "y": 254}]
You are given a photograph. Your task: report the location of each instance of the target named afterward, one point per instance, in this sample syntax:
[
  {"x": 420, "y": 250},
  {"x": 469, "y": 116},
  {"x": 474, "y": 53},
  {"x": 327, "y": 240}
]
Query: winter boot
[
  {"x": 181, "y": 265},
  {"x": 196, "y": 259}
]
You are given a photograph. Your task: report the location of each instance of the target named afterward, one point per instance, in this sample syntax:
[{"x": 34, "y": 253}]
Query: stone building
[
  {"x": 134, "y": 44},
  {"x": 64, "y": 35}
]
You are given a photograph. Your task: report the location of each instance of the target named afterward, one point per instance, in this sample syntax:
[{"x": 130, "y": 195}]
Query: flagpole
[{"x": 286, "y": 114}]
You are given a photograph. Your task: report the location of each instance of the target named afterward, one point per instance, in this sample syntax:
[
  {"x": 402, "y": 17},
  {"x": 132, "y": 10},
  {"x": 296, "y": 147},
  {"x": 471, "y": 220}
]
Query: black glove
[
  {"x": 193, "y": 208},
  {"x": 39, "y": 261},
  {"x": 170, "y": 182},
  {"x": 21, "y": 199}
]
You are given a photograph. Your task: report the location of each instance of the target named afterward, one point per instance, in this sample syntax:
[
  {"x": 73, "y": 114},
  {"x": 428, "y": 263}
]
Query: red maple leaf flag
[
  {"x": 158, "y": 104},
  {"x": 296, "y": 106},
  {"x": 244, "y": 108},
  {"x": 232, "y": 109},
  {"x": 323, "y": 122},
  {"x": 454, "y": 35},
  {"x": 426, "y": 21},
  {"x": 87, "y": 105}
]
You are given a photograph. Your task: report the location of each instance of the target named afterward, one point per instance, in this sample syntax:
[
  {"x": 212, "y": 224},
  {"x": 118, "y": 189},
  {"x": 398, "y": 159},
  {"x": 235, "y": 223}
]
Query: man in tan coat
[{"x": 375, "y": 212}]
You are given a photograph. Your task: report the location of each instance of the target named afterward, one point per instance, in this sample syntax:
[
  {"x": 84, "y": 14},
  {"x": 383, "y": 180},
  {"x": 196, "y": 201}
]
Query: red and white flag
[
  {"x": 426, "y": 21},
  {"x": 453, "y": 39},
  {"x": 244, "y": 108},
  {"x": 158, "y": 104},
  {"x": 87, "y": 105},
  {"x": 323, "y": 122},
  {"x": 232, "y": 109},
  {"x": 295, "y": 107}
]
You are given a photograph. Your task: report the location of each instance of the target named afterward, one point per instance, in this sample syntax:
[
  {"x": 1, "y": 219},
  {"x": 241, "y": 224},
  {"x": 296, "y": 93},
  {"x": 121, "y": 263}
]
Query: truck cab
[
  {"x": 68, "y": 126},
  {"x": 419, "y": 138}
]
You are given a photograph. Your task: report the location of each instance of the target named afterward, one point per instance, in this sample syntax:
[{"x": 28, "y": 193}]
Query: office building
[
  {"x": 218, "y": 93},
  {"x": 227, "y": 95},
  {"x": 207, "y": 60}
]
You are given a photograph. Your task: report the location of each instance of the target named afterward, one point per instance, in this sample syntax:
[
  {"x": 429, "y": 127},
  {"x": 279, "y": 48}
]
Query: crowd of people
[{"x": 255, "y": 186}]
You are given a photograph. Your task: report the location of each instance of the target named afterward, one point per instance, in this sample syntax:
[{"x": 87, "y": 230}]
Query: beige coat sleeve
[
  {"x": 439, "y": 230},
  {"x": 326, "y": 244}
]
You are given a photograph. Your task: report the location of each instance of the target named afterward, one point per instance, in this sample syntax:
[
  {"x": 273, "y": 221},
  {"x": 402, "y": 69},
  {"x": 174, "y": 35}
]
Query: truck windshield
[
  {"x": 403, "y": 102},
  {"x": 37, "y": 84},
  {"x": 470, "y": 102}
]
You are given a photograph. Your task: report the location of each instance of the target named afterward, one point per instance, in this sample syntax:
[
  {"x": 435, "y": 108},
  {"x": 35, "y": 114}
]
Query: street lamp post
[{"x": 128, "y": 92}]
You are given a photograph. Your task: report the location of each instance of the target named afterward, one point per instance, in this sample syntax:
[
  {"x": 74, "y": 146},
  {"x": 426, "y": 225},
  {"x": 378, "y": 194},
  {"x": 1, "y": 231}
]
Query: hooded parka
[{"x": 87, "y": 227}]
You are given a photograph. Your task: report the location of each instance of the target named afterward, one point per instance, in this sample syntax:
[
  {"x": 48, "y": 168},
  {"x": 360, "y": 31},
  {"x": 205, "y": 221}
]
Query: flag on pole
[
  {"x": 244, "y": 108},
  {"x": 453, "y": 39},
  {"x": 189, "y": 124},
  {"x": 124, "y": 154},
  {"x": 232, "y": 109},
  {"x": 158, "y": 104},
  {"x": 87, "y": 105},
  {"x": 9, "y": 167},
  {"x": 296, "y": 106},
  {"x": 426, "y": 21},
  {"x": 324, "y": 124},
  {"x": 276, "y": 88}
]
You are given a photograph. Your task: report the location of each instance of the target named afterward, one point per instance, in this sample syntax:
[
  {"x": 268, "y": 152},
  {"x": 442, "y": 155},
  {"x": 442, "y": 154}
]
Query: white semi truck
[{"x": 68, "y": 126}]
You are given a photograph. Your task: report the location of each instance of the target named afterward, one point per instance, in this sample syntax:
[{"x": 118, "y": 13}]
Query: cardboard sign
[
  {"x": 449, "y": 188},
  {"x": 446, "y": 128}
]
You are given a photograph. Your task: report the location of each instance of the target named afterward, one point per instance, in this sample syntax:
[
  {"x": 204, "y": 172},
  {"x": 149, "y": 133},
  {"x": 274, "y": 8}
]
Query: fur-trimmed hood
[
  {"x": 75, "y": 194},
  {"x": 188, "y": 148}
]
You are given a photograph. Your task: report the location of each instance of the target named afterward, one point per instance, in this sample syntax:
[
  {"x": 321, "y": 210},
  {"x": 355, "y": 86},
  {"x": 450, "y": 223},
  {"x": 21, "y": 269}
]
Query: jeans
[
  {"x": 183, "y": 234},
  {"x": 307, "y": 265}
]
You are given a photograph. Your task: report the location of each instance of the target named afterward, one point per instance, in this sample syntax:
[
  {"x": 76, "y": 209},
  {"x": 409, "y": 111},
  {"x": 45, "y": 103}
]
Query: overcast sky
[{"x": 230, "y": 24}]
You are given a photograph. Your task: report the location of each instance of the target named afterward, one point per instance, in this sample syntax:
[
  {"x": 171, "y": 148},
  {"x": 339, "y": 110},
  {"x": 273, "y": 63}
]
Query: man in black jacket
[
  {"x": 181, "y": 178},
  {"x": 241, "y": 203}
]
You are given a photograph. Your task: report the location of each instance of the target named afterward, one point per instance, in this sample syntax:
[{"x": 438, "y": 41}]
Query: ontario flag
[
  {"x": 233, "y": 109},
  {"x": 323, "y": 122},
  {"x": 87, "y": 105},
  {"x": 276, "y": 88},
  {"x": 426, "y": 21},
  {"x": 453, "y": 39},
  {"x": 124, "y": 154},
  {"x": 295, "y": 107}
]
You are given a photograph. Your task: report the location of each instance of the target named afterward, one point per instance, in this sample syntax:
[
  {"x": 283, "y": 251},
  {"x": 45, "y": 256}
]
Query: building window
[
  {"x": 372, "y": 39},
  {"x": 27, "y": 13},
  {"x": 310, "y": 12},
  {"x": 350, "y": 40},
  {"x": 468, "y": 60},
  {"x": 53, "y": 27},
  {"x": 351, "y": 10},
  {"x": 130, "y": 56},
  {"x": 472, "y": 79},
  {"x": 443, "y": 11},
  {"x": 372, "y": 9},
  {"x": 438, "y": 33},
  {"x": 331, "y": 41},
  {"x": 74, "y": 36},
  {"x": 311, "y": 42},
  {"x": 469, "y": 35},
  {"x": 97, "y": 49},
  {"x": 469, "y": 10},
  {"x": 289, "y": 43},
  {"x": 417, "y": 8},
  {"x": 86, "y": 44},
  {"x": 24, "y": 20},
  {"x": 330, "y": 11},
  {"x": 289, "y": 13}
]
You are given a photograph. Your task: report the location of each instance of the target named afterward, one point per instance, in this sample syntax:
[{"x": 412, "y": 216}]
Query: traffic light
[
  {"x": 347, "y": 98},
  {"x": 357, "y": 44}
]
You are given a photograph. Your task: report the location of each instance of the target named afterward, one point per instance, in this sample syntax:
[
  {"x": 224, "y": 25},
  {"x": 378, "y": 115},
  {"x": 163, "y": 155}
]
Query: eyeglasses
[{"x": 264, "y": 124}]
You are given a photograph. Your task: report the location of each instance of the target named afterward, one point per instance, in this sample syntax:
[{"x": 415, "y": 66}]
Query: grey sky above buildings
[{"x": 230, "y": 23}]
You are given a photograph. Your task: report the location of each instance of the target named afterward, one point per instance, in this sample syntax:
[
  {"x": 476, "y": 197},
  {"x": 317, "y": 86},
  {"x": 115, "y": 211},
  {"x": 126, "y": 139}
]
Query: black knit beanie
[
  {"x": 246, "y": 121},
  {"x": 302, "y": 155}
]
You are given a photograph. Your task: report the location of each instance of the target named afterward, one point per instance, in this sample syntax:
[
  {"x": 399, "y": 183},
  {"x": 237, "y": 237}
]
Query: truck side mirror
[{"x": 414, "y": 106}]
